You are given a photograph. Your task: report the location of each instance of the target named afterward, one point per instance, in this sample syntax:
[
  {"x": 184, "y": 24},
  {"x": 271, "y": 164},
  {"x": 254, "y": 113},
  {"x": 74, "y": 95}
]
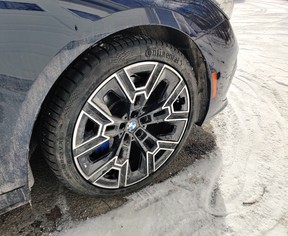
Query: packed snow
[{"x": 241, "y": 187}]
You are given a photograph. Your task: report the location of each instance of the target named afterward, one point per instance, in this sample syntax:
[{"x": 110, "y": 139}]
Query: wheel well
[{"x": 179, "y": 40}]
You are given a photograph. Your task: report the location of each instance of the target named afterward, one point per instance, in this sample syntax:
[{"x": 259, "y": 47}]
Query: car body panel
[
  {"x": 220, "y": 50},
  {"x": 39, "y": 39}
]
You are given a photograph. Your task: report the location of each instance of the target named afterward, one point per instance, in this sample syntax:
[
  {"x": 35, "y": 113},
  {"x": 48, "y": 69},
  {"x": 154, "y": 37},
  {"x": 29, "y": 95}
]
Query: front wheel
[{"x": 118, "y": 115}]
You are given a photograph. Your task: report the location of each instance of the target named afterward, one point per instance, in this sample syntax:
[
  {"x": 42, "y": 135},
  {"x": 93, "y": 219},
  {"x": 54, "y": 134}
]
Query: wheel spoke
[
  {"x": 88, "y": 146},
  {"x": 88, "y": 167},
  {"x": 123, "y": 151},
  {"x": 143, "y": 76},
  {"x": 126, "y": 85},
  {"x": 178, "y": 116},
  {"x": 171, "y": 80},
  {"x": 154, "y": 117},
  {"x": 154, "y": 79},
  {"x": 174, "y": 91},
  {"x": 97, "y": 114},
  {"x": 140, "y": 101},
  {"x": 103, "y": 170},
  {"x": 147, "y": 141}
]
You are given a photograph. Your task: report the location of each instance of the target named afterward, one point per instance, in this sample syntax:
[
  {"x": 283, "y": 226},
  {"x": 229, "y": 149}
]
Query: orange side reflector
[{"x": 214, "y": 84}]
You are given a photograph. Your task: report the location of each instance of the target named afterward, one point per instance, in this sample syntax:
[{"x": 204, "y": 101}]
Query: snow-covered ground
[{"x": 241, "y": 188}]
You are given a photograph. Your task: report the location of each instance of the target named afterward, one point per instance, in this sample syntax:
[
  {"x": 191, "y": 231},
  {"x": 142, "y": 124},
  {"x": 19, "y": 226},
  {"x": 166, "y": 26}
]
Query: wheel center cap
[{"x": 131, "y": 125}]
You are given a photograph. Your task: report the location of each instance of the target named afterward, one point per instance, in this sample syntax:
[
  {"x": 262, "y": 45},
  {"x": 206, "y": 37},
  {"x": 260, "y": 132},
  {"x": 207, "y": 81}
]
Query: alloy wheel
[{"x": 131, "y": 125}]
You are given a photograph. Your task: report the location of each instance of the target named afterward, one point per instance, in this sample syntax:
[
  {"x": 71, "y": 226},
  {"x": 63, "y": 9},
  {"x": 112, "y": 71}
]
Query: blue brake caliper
[{"x": 103, "y": 147}]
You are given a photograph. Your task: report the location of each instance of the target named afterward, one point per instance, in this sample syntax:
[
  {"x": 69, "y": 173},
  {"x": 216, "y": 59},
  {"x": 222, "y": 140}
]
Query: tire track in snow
[{"x": 257, "y": 164}]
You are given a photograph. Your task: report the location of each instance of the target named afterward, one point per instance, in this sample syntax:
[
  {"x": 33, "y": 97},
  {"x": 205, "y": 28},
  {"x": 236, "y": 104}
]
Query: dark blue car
[{"x": 108, "y": 89}]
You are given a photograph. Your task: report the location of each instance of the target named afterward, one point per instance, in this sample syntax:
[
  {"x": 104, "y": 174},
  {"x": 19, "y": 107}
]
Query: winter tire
[{"x": 118, "y": 115}]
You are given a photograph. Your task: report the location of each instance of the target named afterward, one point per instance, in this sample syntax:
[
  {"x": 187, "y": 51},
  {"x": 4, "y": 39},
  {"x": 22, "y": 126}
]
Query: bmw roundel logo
[{"x": 131, "y": 125}]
